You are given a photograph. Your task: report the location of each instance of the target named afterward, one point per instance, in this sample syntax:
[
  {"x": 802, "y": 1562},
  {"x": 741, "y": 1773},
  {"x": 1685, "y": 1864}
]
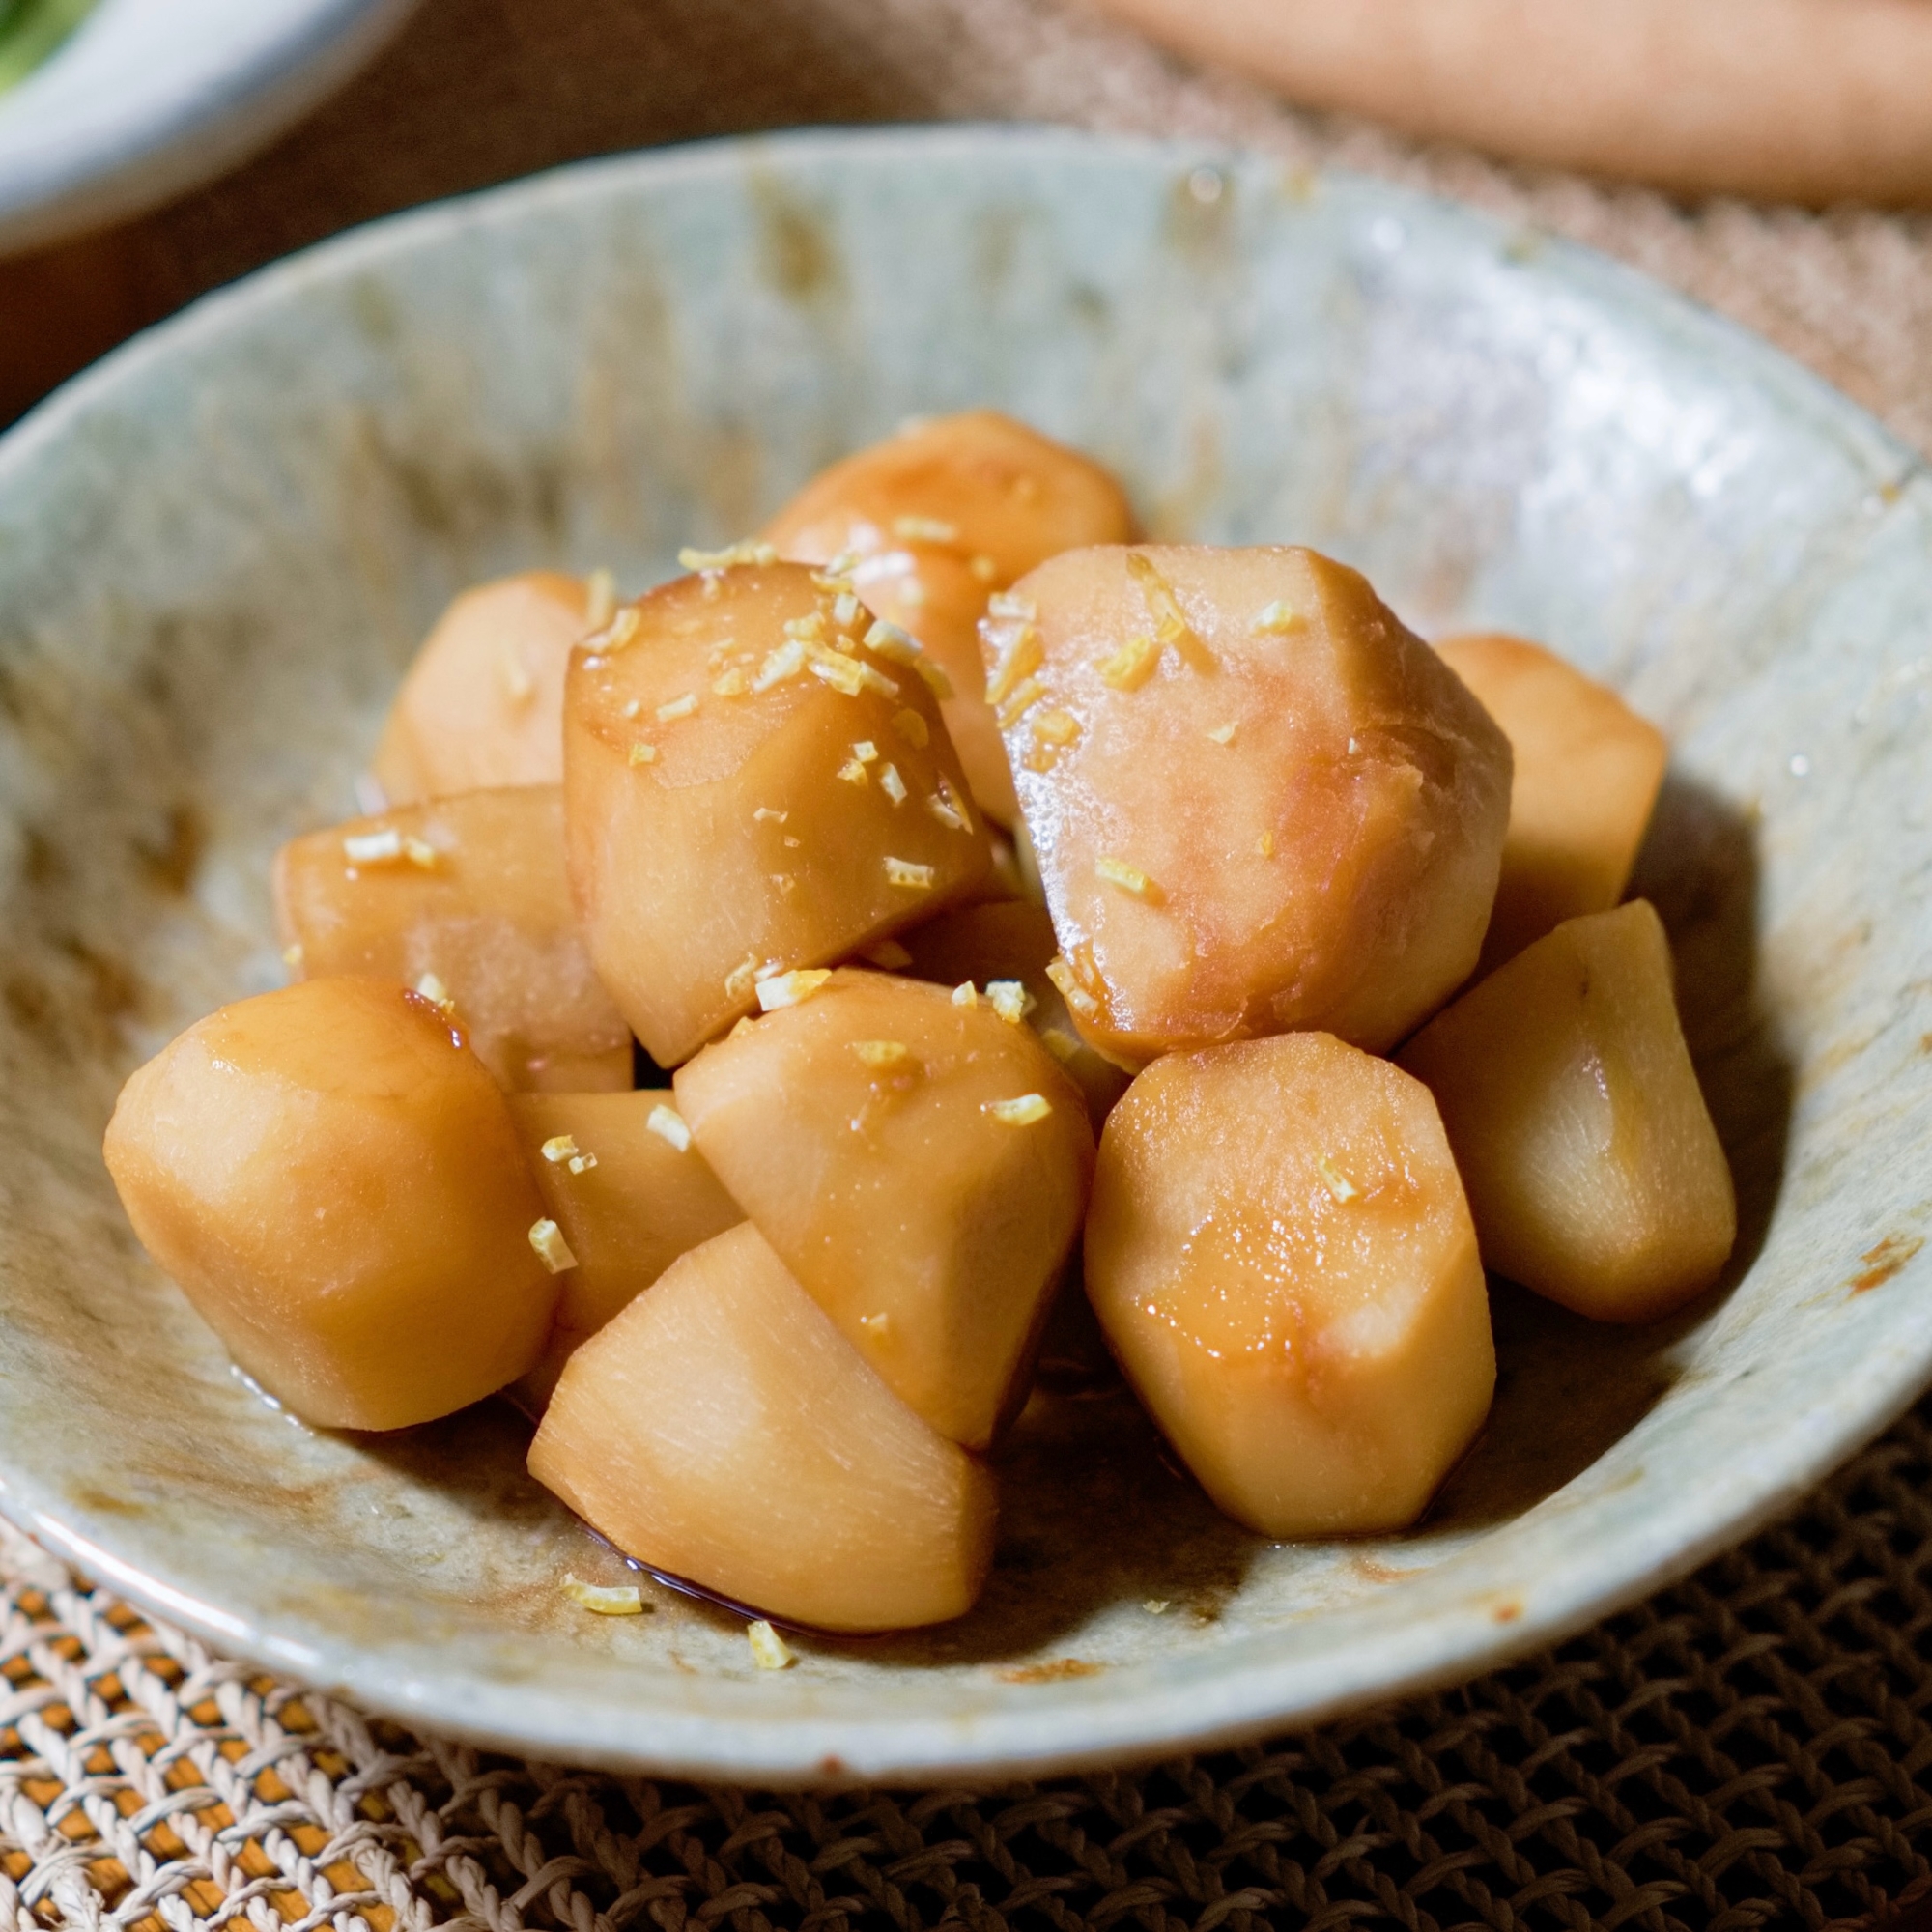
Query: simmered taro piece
[
  {"x": 467, "y": 900},
  {"x": 1594, "y": 1172},
  {"x": 333, "y": 1180},
  {"x": 723, "y": 1431},
  {"x": 1006, "y": 944},
  {"x": 939, "y": 518},
  {"x": 751, "y": 785},
  {"x": 1282, "y": 1258},
  {"x": 1258, "y": 802},
  {"x": 482, "y": 705},
  {"x": 628, "y": 1193},
  {"x": 919, "y": 1162},
  {"x": 1587, "y": 772}
]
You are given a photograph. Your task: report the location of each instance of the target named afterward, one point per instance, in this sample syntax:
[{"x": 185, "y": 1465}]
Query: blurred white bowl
[{"x": 151, "y": 96}]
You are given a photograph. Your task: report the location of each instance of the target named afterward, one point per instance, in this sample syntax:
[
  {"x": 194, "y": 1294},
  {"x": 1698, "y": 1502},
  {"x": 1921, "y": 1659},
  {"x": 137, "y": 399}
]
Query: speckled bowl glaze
[{"x": 219, "y": 549}]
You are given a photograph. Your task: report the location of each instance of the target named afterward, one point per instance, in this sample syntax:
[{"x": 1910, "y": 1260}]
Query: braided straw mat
[{"x": 1749, "y": 1749}]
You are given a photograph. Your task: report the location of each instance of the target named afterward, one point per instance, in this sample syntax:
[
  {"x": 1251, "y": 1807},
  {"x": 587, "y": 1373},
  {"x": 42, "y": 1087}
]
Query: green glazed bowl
[{"x": 220, "y": 547}]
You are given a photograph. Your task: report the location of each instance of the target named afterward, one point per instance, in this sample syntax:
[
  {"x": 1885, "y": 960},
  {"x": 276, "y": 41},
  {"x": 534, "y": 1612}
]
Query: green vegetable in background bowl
[{"x": 30, "y": 30}]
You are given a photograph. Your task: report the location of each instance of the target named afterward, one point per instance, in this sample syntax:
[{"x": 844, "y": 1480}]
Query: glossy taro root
[
  {"x": 466, "y": 898},
  {"x": 1282, "y": 1258},
  {"x": 1257, "y": 802},
  {"x": 628, "y": 1192},
  {"x": 940, "y": 517},
  {"x": 482, "y": 705},
  {"x": 1587, "y": 774},
  {"x": 333, "y": 1180},
  {"x": 1594, "y": 1172},
  {"x": 920, "y": 1164},
  {"x": 749, "y": 786},
  {"x": 723, "y": 1431}
]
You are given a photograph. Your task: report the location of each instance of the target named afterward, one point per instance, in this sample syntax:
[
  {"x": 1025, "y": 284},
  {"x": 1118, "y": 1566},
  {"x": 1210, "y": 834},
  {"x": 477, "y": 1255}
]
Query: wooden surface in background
[{"x": 1815, "y": 102}]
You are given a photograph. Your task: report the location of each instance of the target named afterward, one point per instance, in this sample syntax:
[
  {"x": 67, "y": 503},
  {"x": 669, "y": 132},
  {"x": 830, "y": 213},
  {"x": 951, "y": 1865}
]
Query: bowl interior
[{"x": 218, "y": 551}]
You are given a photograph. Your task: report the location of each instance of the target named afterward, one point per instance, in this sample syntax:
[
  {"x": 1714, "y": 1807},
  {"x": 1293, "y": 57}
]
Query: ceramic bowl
[
  {"x": 148, "y": 97},
  {"x": 219, "y": 549}
]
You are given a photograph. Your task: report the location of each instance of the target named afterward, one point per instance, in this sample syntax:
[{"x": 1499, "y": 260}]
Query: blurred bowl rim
[{"x": 67, "y": 164}]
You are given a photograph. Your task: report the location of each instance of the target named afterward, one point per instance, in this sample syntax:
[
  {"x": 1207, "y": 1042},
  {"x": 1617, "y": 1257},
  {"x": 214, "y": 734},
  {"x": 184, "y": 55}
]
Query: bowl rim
[
  {"x": 1064, "y": 1726},
  {"x": 177, "y": 134}
]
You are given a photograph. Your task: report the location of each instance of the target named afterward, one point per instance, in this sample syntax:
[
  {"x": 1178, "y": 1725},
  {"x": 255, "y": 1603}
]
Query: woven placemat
[{"x": 1751, "y": 1748}]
